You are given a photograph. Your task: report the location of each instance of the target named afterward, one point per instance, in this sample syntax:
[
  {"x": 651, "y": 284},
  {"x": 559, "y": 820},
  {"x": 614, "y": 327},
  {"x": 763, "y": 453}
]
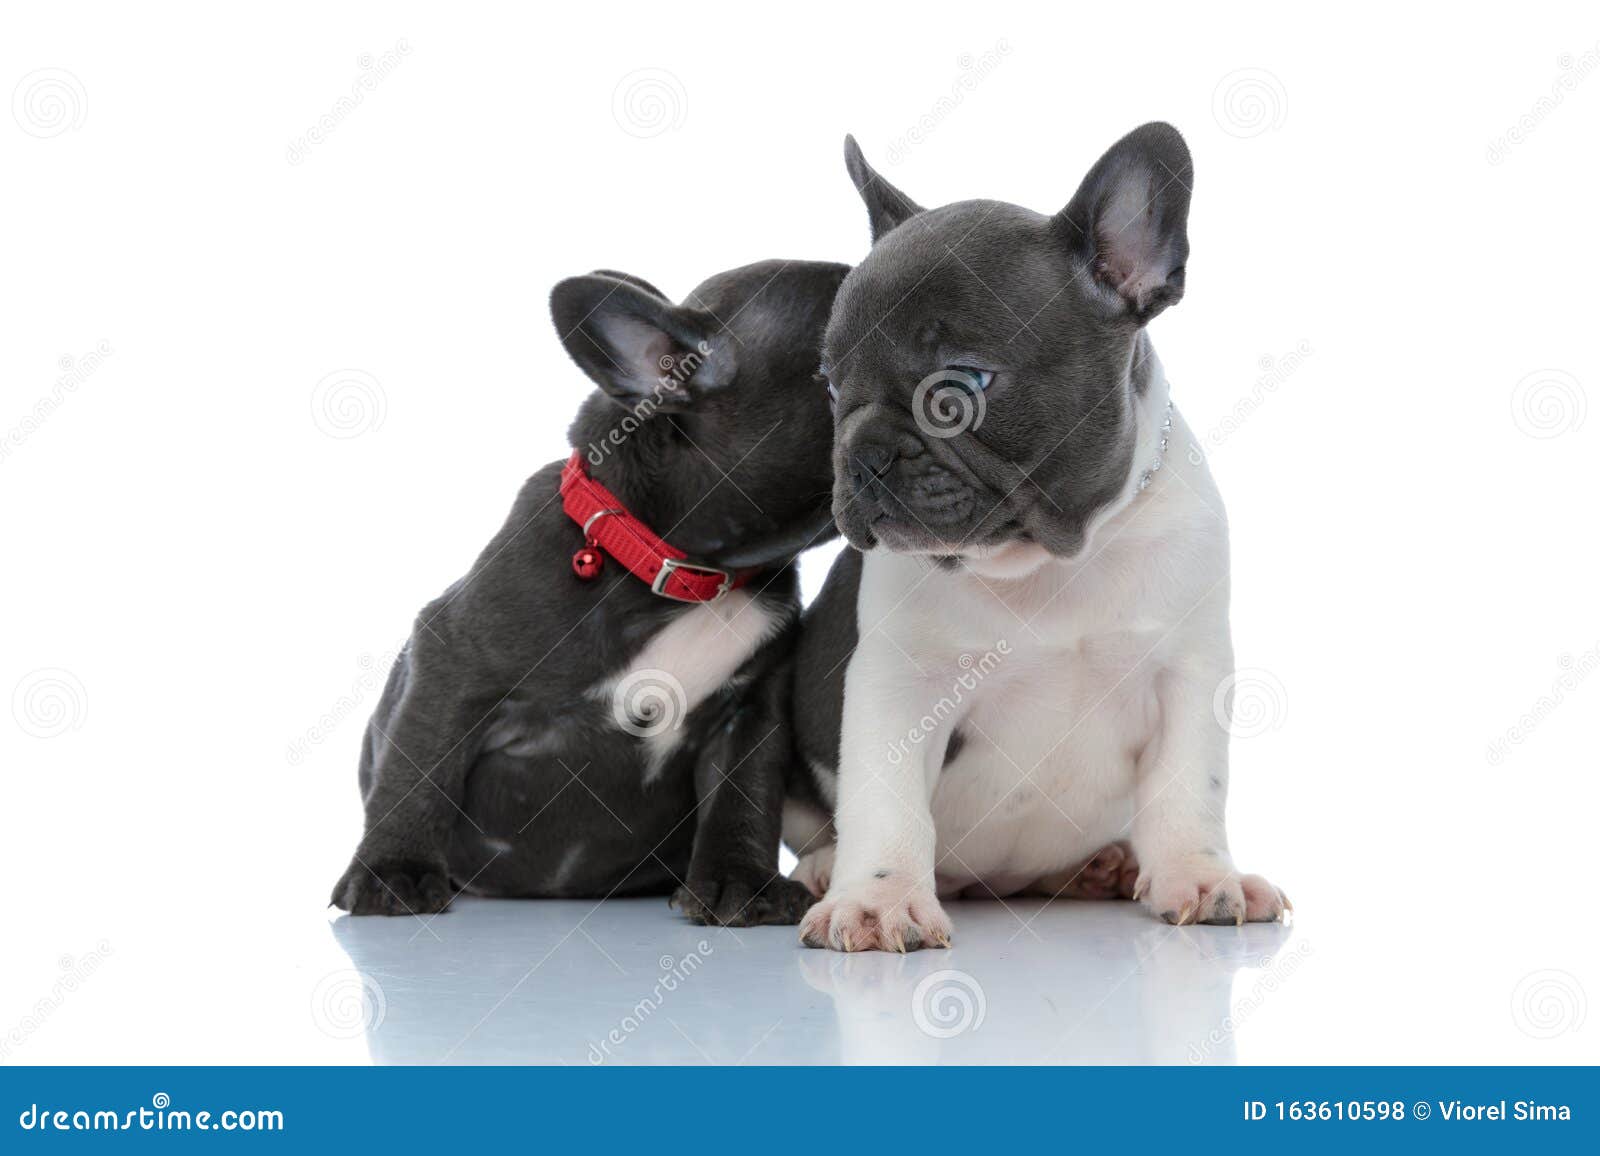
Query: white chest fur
[
  {"x": 690, "y": 658},
  {"x": 1045, "y": 772},
  {"x": 1049, "y": 672}
]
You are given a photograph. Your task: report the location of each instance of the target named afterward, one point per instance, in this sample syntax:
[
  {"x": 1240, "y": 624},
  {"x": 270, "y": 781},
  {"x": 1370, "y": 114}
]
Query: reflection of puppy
[
  {"x": 564, "y": 720},
  {"x": 1157, "y": 996},
  {"x": 608, "y": 995},
  {"x": 1035, "y": 629}
]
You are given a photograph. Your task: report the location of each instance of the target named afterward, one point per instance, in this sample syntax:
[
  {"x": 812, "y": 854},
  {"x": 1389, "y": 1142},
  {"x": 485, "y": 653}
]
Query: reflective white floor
[{"x": 628, "y": 982}]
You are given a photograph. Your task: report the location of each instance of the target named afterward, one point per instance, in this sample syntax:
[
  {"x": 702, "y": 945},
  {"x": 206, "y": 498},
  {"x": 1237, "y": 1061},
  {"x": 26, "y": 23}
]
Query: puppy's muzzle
[
  {"x": 869, "y": 462},
  {"x": 895, "y": 478}
]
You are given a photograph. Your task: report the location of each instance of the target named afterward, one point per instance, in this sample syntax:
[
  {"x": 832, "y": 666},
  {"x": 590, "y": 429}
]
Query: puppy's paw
[
  {"x": 1110, "y": 873},
  {"x": 393, "y": 887},
  {"x": 891, "y": 913},
  {"x": 742, "y": 900},
  {"x": 815, "y": 870},
  {"x": 1206, "y": 889}
]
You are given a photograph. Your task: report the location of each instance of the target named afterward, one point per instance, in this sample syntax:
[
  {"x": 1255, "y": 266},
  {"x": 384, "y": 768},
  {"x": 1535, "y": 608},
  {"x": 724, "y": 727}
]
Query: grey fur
[
  {"x": 488, "y": 701},
  {"x": 1053, "y": 305}
]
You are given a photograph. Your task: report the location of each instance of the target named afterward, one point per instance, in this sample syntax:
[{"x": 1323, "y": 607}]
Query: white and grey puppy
[{"x": 1019, "y": 668}]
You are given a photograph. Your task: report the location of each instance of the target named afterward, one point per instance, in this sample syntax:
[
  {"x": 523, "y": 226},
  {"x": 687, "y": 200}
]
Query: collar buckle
[{"x": 669, "y": 565}]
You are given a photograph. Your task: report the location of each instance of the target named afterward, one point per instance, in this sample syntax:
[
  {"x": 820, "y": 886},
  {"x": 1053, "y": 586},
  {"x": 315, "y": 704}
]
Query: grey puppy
[
  {"x": 546, "y": 735},
  {"x": 998, "y": 401},
  {"x": 922, "y": 301}
]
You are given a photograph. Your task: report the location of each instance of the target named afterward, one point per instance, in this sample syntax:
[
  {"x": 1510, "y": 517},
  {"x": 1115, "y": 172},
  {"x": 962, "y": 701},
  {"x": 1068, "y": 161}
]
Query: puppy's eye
[
  {"x": 979, "y": 379},
  {"x": 821, "y": 378}
]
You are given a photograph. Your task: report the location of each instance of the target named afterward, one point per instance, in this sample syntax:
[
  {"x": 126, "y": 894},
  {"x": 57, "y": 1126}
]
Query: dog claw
[{"x": 878, "y": 915}]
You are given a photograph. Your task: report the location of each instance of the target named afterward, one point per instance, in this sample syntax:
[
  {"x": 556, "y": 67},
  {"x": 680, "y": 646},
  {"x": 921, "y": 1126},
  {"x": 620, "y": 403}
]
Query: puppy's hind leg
[
  {"x": 1110, "y": 873},
  {"x": 814, "y": 872},
  {"x": 808, "y": 830},
  {"x": 414, "y": 759}
]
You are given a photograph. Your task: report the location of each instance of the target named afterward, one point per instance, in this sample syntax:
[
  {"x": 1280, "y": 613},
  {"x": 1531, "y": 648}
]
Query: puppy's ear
[
  {"x": 634, "y": 343},
  {"x": 1129, "y": 219},
  {"x": 631, "y": 280},
  {"x": 887, "y": 206}
]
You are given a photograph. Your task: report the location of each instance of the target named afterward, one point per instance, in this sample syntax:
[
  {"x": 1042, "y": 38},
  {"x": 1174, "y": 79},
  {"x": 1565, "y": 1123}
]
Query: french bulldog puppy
[
  {"x": 578, "y": 715},
  {"x": 1016, "y": 666}
]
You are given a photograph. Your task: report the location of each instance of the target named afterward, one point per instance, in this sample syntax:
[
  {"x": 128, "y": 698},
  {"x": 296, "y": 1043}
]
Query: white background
[{"x": 211, "y": 564}]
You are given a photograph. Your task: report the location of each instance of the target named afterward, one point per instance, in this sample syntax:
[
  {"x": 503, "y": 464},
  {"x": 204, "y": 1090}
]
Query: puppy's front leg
[
  {"x": 1187, "y": 874},
  {"x": 882, "y": 894},
  {"x": 733, "y": 878}
]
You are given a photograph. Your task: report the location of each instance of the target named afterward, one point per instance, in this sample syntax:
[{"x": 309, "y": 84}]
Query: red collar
[{"x": 608, "y": 526}]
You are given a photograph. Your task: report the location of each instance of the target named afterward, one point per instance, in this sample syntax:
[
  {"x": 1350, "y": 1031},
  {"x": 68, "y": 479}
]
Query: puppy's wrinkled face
[{"x": 986, "y": 360}]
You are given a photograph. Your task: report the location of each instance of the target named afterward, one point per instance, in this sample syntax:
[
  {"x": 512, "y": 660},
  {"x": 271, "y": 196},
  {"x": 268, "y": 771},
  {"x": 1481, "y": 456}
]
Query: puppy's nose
[{"x": 869, "y": 461}]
